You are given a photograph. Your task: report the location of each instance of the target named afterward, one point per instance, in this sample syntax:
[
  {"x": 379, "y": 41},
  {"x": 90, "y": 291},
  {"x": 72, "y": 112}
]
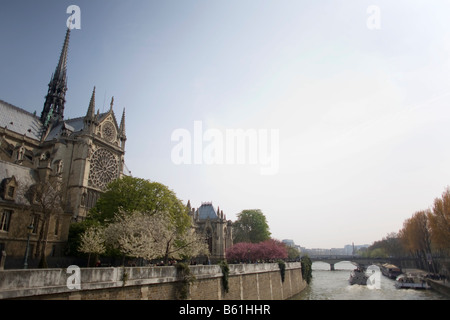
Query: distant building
[
  {"x": 292, "y": 244},
  {"x": 216, "y": 229},
  {"x": 289, "y": 242}
]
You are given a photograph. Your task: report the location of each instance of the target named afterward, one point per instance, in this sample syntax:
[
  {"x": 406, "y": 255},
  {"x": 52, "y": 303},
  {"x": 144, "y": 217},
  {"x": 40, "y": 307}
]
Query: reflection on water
[{"x": 333, "y": 285}]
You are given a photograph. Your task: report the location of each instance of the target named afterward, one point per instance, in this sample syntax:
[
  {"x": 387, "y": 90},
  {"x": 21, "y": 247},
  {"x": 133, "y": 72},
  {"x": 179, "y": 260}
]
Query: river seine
[{"x": 334, "y": 285}]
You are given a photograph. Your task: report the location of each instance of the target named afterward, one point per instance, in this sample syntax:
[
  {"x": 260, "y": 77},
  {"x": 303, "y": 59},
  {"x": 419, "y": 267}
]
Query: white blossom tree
[
  {"x": 140, "y": 235},
  {"x": 93, "y": 241},
  {"x": 132, "y": 235}
]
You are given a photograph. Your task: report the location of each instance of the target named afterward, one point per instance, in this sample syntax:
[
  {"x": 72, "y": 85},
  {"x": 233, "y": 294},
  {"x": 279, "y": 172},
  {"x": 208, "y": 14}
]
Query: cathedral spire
[
  {"x": 53, "y": 110},
  {"x": 61, "y": 68}
]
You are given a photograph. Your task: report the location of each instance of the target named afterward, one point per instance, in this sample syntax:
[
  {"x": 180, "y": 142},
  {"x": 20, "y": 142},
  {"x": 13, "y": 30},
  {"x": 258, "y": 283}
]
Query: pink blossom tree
[{"x": 263, "y": 251}]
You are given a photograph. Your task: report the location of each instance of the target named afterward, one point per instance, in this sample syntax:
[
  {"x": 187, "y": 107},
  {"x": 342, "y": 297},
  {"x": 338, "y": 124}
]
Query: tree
[
  {"x": 140, "y": 235},
  {"x": 268, "y": 250},
  {"x": 93, "y": 242},
  {"x": 392, "y": 245},
  {"x": 251, "y": 226},
  {"x": 306, "y": 264},
  {"x": 389, "y": 246},
  {"x": 416, "y": 237},
  {"x": 128, "y": 195},
  {"x": 132, "y": 235},
  {"x": 240, "y": 252},
  {"x": 293, "y": 253},
  {"x": 439, "y": 219},
  {"x": 47, "y": 201},
  {"x": 131, "y": 194}
]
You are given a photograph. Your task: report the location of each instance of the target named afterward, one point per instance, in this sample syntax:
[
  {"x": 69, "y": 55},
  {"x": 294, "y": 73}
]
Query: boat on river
[
  {"x": 411, "y": 281},
  {"x": 391, "y": 271},
  {"x": 358, "y": 276}
]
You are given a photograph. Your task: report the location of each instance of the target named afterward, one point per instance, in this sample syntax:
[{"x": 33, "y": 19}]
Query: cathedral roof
[
  {"x": 73, "y": 125},
  {"x": 25, "y": 177},
  {"x": 24, "y": 123},
  {"x": 20, "y": 121},
  {"x": 207, "y": 211}
]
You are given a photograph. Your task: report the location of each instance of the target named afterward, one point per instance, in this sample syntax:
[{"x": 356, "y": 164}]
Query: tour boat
[
  {"x": 391, "y": 271},
  {"x": 410, "y": 281},
  {"x": 358, "y": 276}
]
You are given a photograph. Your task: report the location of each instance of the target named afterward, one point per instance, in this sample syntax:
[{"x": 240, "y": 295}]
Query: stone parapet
[{"x": 247, "y": 280}]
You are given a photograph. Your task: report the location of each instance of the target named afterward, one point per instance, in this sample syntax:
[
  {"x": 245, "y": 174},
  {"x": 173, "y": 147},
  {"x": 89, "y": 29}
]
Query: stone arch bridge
[{"x": 357, "y": 261}]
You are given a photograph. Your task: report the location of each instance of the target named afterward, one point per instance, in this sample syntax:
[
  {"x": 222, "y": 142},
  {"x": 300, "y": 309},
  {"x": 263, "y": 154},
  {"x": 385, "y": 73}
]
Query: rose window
[
  {"x": 109, "y": 131},
  {"x": 104, "y": 169}
]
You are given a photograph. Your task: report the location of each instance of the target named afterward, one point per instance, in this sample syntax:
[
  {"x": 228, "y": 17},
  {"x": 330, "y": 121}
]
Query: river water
[{"x": 334, "y": 285}]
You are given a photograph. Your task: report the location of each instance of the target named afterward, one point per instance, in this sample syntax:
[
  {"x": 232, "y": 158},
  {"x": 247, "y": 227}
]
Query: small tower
[
  {"x": 122, "y": 134},
  {"x": 90, "y": 117}
]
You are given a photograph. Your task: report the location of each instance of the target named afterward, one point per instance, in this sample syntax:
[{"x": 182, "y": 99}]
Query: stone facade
[
  {"x": 216, "y": 229},
  {"x": 79, "y": 155}
]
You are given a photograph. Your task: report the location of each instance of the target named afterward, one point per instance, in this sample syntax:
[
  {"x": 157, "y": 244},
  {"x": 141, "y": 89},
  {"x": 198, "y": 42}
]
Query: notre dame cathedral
[
  {"x": 71, "y": 161},
  {"x": 82, "y": 155}
]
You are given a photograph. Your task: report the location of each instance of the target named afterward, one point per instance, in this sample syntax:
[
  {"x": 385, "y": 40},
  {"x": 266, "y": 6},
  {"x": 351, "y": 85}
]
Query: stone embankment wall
[{"x": 245, "y": 282}]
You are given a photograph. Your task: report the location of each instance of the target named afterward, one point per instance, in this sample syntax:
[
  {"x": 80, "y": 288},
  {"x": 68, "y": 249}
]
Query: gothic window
[
  {"x": 59, "y": 166},
  {"x": 5, "y": 219},
  {"x": 109, "y": 131},
  {"x": 104, "y": 169},
  {"x": 91, "y": 198},
  {"x": 8, "y": 188},
  {"x": 35, "y": 223},
  {"x": 11, "y": 190},
  {"x": 56, "y": 226},
  {"x": 83, "y": 199},
  {"x": 209, "y": 239}
]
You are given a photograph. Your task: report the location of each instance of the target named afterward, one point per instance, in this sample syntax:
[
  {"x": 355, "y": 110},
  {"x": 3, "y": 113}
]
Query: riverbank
[{"x": 441, "y": 286}]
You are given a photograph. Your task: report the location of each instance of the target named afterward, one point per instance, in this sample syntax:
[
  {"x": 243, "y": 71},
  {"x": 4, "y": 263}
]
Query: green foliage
[
  {"x": 124, "y": 277},
  {"x": 293, "y": 253},
  {"x": 378, "y": 253},
  {"x": 76, "y": 229},
  {"x": 251, "y": 226},
  {"x": 128, "y": 195},
  {"x": 282, "y": 266},
  {"x": 226, "y": 272},
  {"x": 131, "y": 194},
  {"x": 389, "y": 246},
  {"x": 187, "y": 278},
  {"x": 306, "y": 268}
]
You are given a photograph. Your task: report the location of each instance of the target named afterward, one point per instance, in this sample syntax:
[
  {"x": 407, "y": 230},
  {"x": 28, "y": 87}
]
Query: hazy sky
[{"x": 362, "y": 113}]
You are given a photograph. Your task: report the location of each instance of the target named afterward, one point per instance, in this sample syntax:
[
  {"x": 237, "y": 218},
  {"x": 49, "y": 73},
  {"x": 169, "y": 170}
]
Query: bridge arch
[
  {"x": 333, "y": 264},
  {"x": 355, "y": 260}
]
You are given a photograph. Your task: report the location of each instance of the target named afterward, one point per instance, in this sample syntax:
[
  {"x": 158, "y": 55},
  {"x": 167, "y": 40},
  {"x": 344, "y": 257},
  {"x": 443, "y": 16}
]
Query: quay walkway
[{"x": 442, "y": 286}]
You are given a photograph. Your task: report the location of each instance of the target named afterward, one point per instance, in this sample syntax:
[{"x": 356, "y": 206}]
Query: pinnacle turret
[
  {"x": 122, "y": 125},
  {"x": 90, "y": 114}
]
